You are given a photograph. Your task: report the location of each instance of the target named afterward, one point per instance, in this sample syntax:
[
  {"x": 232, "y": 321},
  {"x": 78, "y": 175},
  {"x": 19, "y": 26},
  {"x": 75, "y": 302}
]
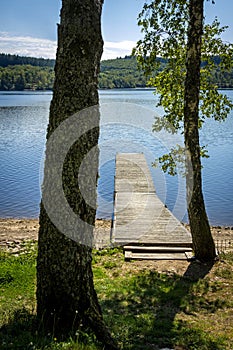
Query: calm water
[{"x": 126, "y": 119}]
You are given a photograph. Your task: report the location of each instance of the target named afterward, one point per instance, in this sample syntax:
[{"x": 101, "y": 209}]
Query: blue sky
[{"x": 28, "y": 27}]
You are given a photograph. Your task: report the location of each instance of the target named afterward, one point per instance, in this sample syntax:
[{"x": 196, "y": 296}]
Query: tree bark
[
  {"x": 66, "y": 298},
  {"x": 203, "y": 243}
]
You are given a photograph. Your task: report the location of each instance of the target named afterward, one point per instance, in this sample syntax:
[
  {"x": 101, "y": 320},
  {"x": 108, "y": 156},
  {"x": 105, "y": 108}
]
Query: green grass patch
[
  {"x": 144, "y": 309},
  {"x": 17, "y": 279}
]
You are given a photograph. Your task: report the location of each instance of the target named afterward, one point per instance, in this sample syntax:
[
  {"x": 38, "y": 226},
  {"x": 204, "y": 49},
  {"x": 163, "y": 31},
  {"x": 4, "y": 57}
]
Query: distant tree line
[
  {"x": 15, "y": 60},
  {"x": 29, "y": 73}
]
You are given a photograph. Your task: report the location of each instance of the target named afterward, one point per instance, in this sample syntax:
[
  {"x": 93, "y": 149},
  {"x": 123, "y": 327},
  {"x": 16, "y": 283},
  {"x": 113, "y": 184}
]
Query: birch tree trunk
[
  {"x": 66, "y": 298},
  {"x": 203, "y": 243}
]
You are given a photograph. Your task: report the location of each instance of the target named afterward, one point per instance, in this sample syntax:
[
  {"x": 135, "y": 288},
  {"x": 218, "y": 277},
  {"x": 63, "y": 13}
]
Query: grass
[{"x": 143, "y": 308}]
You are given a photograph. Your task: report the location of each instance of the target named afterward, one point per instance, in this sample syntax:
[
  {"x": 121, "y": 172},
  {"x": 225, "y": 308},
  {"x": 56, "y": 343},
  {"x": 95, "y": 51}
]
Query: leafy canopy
[{"x": 165, "y": 27}]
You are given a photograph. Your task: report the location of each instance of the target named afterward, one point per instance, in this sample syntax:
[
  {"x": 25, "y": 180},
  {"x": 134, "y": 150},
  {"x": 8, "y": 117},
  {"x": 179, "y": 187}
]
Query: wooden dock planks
[{"x": 139, "y": 215}]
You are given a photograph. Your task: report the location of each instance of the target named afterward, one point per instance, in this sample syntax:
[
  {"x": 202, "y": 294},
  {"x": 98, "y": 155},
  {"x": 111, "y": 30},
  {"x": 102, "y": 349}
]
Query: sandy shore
[
  {"x": 17, "y": 230},
  {"x": 14, "y": 231}
]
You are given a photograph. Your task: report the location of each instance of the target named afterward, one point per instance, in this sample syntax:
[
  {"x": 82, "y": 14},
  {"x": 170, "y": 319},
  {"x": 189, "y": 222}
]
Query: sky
[{"x": 29, "y": 27}]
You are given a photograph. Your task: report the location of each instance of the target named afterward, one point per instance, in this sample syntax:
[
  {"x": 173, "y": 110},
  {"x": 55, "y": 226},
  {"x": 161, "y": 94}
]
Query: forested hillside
[
  {"x": 25, "y": 73},
  {"x": 20, "y": 73},
  {"x": 29, "y": 73},
  {"x": 120, "y": 73},
  {"x": 26, "y": 77}
]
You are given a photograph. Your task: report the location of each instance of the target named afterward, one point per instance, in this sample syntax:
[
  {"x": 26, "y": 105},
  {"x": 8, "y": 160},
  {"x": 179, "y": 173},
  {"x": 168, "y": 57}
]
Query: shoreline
[
  {"x": 101, "y": 89},
  {"x": 14, "y": 231},
  {"x": 20, "y": 229},
  {"x": 11, "y": 218}
]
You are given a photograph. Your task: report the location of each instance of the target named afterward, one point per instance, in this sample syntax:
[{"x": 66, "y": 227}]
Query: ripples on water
[
  {"x": 22, "y": 130},
  {"x": 125, "y": 128}
]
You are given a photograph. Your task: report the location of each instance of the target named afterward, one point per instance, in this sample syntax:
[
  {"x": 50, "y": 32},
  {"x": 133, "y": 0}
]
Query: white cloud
[
  {"x": 35, "y": 47},
  {"x": 117, "y": 49},
  {"x": 27, "y": 46}
]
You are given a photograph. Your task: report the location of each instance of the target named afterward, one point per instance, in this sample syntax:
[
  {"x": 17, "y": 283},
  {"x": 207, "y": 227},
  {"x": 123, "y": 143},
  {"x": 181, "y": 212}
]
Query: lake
[{"x": 126, "y": 122}]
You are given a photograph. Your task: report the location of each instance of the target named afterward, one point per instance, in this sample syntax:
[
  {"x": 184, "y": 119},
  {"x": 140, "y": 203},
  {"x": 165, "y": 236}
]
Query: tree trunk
[
  {"x": 66, "y": 298},
  {"x": 203, "y": 243}
]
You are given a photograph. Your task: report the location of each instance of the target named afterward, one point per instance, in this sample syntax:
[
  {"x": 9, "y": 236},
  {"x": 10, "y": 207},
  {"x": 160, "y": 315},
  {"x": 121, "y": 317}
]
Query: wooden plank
[
  {"x": 139, "y": 215},
  {"x": 157, "y": 249},
  {"x": 160, "y": 256},
  {"x": 132, "y": 175}
]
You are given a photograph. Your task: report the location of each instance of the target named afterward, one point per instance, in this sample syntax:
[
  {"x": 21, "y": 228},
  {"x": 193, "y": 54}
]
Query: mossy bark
[
  {"x": 203, "y": 243},
  {"x": 66, "y": 298}
]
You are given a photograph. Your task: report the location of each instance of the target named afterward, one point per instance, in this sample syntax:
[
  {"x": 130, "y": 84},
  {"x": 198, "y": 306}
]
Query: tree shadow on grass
[
  {"x": 146, "y": 315},
  {"x": 141, "y": 314},
  {"x": 24, "y": 332},
  {"x": 20, "y": 332}
]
